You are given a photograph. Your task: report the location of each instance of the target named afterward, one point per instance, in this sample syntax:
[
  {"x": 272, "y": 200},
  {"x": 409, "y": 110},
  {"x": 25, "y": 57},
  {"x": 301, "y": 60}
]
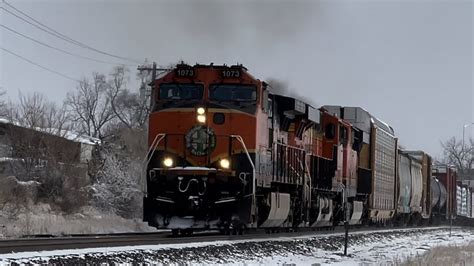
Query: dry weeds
[{"x": 442, "y": 256}]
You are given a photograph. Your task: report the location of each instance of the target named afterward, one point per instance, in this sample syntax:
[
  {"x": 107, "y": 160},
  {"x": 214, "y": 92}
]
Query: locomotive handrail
[
  {"x": 239, "y": 138},
  {"x": 148, "y": 157},
  {"x": 310, "y": 184},
  {"x": 289, "y": 169},
  {"x": 289, "y": 146},
  {"x": 155, "y": 143}
]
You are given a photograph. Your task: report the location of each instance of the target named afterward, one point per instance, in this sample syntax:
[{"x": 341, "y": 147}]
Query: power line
[
  {"x": 59, "y": 49},
  {"x": 38, "y": 65},
  {"x": 59, "y": 35},
  {"x": 36, "y": 26},
  {"x": 38, "y": 22}
]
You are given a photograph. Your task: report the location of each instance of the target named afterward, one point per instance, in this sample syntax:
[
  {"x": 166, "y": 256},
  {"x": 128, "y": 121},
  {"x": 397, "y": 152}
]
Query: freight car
[
  {"x": 465, "y": 204},
  {"x": 226, "y": 152},
  {"x": 377, "y": 161},
  {"x": 445, "y": 177},
  {"x": 426, "y": 177},
  {"x": 438, "y": 197}
]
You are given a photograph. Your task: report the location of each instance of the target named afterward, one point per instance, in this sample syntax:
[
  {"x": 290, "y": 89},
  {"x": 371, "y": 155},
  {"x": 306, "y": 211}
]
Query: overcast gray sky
[{"x": 408, "y": 62}]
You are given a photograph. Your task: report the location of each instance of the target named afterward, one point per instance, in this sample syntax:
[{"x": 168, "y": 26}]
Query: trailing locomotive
[{"x": 227, "y": 153}]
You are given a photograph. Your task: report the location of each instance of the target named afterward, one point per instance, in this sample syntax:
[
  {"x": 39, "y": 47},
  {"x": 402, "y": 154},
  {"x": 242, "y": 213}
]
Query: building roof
[{"x": 67, "y": 134}]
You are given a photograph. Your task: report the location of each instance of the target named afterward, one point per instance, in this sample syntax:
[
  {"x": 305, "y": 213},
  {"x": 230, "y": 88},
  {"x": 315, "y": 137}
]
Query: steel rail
[{"x": 98, "y": 241}]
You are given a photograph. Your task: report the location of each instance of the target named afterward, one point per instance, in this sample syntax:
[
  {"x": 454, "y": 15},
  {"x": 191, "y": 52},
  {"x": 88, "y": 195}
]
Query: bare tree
[
  {"x": 56, "y": 120},
  {"x": 30, "y": 112},
  {"x": 90, "y": 107},
  {"x": 35, "y": 112},
  {"x": 130, "y": 108},
  {"x": 457, "y": 155}
]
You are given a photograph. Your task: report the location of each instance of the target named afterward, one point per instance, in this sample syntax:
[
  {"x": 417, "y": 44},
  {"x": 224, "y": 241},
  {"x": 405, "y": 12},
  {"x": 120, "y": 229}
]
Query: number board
[
  {"x": 185, "y": 72},
  {"x": 230, "y": 73}
]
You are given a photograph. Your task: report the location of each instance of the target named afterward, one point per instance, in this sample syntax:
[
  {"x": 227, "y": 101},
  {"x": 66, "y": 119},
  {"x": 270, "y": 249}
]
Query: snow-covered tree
[{"x": 117, "y": 188}]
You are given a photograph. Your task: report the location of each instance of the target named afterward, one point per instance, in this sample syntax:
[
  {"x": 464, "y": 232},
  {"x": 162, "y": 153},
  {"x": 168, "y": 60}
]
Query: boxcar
[{"x": 377, "y": 160}]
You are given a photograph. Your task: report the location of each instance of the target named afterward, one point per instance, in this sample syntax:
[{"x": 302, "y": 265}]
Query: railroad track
[{"x": 136, "y": 239}]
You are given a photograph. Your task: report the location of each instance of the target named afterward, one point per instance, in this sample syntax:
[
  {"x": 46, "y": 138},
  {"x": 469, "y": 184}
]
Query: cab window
[
  {"x": 330, "y": 131},
  {"x": 176, "y": 91},
  {"x": 233, "y": 92}
]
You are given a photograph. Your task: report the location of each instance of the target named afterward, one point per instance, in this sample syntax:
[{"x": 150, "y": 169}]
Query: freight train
[{"x": 228, "y": 152}]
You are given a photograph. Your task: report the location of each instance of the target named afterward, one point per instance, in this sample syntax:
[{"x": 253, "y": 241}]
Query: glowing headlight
[
  {"x": 168, "y": 162},
  {"x": 225, "y": 163},
  {"x": 201, "y": 111},
  {"x": 201, "y": 118}
]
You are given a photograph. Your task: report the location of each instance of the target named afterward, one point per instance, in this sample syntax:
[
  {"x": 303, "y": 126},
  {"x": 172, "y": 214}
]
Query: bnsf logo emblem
[{"x": 200, "y": 140}]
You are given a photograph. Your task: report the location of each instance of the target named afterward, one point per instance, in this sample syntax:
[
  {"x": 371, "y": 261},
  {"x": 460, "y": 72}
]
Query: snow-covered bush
[{"x": 116, "y": 188}]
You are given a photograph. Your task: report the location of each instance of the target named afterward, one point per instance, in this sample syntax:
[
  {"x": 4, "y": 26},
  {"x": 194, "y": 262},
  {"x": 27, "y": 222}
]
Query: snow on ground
[{"x": 375, "y": 248}]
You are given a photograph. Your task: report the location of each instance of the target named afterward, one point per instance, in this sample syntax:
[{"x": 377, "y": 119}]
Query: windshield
[
  {"x": 175, "y": 91},
  {"x": 233, "y": 92}
]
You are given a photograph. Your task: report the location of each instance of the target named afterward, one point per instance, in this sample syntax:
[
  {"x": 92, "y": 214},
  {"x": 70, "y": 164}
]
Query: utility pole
[
  {"x": 450, "y": 206},
  {"x": 345, "y": 214},
  {"x": 463, "y": 133},
  {"x": 154, "y": 71},
  {"x": 346, "y": 222}
]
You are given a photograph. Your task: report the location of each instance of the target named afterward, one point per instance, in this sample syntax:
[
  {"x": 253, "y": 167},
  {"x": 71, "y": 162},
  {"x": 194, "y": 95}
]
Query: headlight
[
  {"x": 224, "y": 163},
  {"x": 168, "y": 162},
  {"x": 201, "y": 111},
  {"x": 201, "y": 119}
]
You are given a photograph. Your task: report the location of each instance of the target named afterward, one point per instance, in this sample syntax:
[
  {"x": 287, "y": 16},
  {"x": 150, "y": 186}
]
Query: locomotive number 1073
[
  {"x": 185, "y": 72},
  {"x": 231, "y": 73}
]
